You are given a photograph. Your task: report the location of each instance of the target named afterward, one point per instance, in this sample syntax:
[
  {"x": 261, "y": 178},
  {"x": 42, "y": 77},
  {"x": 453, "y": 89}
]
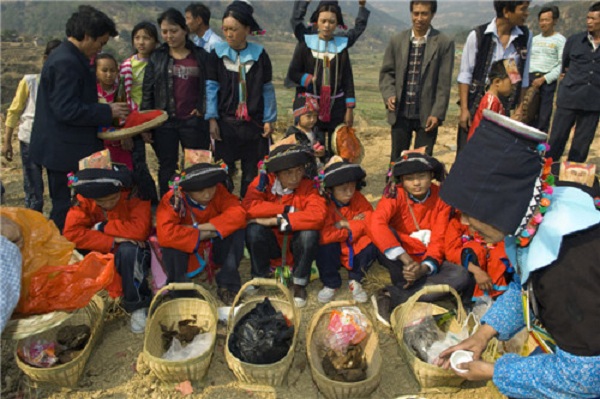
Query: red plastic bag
[
  {"x": 347, "y": 145},
  {"x": 67, "y": 287}
]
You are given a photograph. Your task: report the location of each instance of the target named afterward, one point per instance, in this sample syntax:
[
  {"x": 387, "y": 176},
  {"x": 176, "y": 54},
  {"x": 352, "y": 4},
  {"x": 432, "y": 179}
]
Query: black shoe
[
  {"x": 300, "y": 295},
  {"x": 226, "y": 296},
  {"x": 382, "y": 302}
]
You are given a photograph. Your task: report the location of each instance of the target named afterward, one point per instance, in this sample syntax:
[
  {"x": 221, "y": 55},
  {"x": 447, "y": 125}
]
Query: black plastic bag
[{"x": 262, "y": 336}]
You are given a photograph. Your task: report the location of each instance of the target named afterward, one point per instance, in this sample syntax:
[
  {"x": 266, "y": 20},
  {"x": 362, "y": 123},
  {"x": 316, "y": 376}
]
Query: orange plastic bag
[
  {"x": 347, "y": 145},
  {"x": 67, "y": 287}
]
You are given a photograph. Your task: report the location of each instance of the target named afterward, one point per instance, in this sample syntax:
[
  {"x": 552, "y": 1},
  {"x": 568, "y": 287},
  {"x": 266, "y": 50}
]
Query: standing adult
[
  {"x": 505, "y": 37},
  {"x": 240, "y": 97},
  {"x": 577, "y": 102},
  {"x": 67, "y": 113},
  {"x": 415, "y": 79},
  {"x": 545, "y": 64},
  {"x": 174, "y": 81},
  {"x": 197, "y": 19},
  {"x": 21, "y": 113}
]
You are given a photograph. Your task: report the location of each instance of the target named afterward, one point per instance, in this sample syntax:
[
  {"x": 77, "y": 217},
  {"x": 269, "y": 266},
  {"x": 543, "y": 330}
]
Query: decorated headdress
[
  {"x": 501, "y": 177},
  {"x": 283, "y": 157},
  {"x": 415, "y": 162},
  {"x": 303, "y": 105},
  {"x": 243, "y": 11},
  {"x": 98, "y": 177},
  {"x": 337, "y": 172},
  {"x": 338, "y": 13}
]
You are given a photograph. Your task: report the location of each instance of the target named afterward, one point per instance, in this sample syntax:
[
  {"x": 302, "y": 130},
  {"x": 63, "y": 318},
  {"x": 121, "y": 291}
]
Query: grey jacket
[{"x": 436, "y": 74}]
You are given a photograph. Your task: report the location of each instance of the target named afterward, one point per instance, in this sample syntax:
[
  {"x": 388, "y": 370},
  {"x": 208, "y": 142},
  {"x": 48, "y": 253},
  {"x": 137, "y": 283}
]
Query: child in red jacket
[
  {"x": 344, "y": 237},
  {"x": 408, "y": 228},
  {"x": 488, "y": 263},
  {"x": 108, "y": 218},
  {"x": 200, "y": 221},
  {"x": 282, "y": 204}
]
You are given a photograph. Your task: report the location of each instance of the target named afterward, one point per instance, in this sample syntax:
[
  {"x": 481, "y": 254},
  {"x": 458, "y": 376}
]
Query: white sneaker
[
  {"x": 326, "y": 294},
  {"x": 358, "y": 293},
  {"x": 138, "y": 320}
]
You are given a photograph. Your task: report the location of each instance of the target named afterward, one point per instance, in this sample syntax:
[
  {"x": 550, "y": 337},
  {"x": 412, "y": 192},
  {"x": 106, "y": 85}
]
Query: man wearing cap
[
  {"x": 199, "y": 221},
  {"x": 577, "y": 100},
  {"x": 552, "y": 236},
  {"x": 197, "y": 19},
  {"x": 284, "y": 207},
  {"x": 109, "y": 218},
  {"x": 415, "y": 80},
  {"x": 344, "y": 238},
  {"x": 408, "y": 228}
]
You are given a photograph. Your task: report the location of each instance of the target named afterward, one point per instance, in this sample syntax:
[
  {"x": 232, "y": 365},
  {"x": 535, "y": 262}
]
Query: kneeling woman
[
  {"x": 321, "y": 68},
  {"x": 240, "y": 97}
]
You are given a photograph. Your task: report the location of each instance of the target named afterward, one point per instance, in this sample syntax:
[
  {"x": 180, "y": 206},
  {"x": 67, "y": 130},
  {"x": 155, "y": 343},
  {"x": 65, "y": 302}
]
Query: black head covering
[
  {"x": 288, "y": 156},
  {"x": 96, "y": 183},
  {"x": 338, "y": 12},
  {"x": 415, "y": 163},
  {"x": 495, "y": 178},
  {"x": 342, "y": 172},
  {"x": 242, "y": 10},
  {"x": 200, "y": 176}
]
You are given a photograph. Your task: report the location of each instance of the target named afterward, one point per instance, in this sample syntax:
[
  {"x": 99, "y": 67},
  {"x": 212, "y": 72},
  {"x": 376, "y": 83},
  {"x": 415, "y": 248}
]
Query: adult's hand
[
  {"x": 476, "y": 343},
  {"x": 268, "y": 129},
  {"x": 538, "y": 82},
  {"x": 465, "y": 119},
  {"x": 432, "y": 123},
  {"x": 7, "y": 150},
  {"x": 12, "y": 231},
  {"x": 196, "y": 113},
  {"x": 213, "y": 128},
  {"x": 477, "y": 370},
  {"x": 119, "y": 110},
  {"x": 349, "y": 118},
  {"x": 391, "y": 103}
]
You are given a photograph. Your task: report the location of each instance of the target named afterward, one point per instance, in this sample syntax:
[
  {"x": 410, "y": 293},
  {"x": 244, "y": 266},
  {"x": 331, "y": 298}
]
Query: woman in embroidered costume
[
  {"x": 321, "y": 68},
  {"x": 144, "y": 38},
  {"x": 240, "y": 97},
  {"x": 552, "y": 236},
  {"x": 175, "y": 81}
]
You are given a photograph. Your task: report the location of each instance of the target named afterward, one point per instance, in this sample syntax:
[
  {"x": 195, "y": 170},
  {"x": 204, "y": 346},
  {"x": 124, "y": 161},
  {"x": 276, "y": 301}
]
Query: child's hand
[
  {"x": 483, "y": 280},
  {"x": 342, "y": 224},
  {"x": 147, "y": 137},
  {"x": 127, "y": 144},
  {"x": 319, "y": 150},
  {"x": 213, "y": 129},
  {"x": 360, "y": 216}
]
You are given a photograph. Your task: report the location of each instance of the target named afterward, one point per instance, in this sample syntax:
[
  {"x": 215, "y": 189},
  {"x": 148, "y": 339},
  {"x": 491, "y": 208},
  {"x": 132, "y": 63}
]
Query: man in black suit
[
  {"x": 577, "y": 102},
  {"x": 67, "y": 112}
]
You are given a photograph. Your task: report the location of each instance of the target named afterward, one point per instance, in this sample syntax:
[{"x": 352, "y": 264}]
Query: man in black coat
[
  {"x": 577, "y": 101},
  {"x": 67, "y": 112}
]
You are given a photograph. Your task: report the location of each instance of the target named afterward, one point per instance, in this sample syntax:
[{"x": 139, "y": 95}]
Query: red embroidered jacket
[
  {"x": 130, "y": 219},
  {"x": 223, "y": 211},
  {"x": 433, "y": 214},
  {"x": 360, "y": 239}
]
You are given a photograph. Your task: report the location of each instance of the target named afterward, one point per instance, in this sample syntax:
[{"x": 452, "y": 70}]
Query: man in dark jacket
[
  {"x": 577, "y": 102},
  {"x": 67, "y": 110}
]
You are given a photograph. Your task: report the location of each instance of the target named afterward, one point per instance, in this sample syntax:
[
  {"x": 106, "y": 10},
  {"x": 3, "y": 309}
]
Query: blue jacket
[
  {"x": 67, "y": 112},
  {"x": 581, "y": 83}
]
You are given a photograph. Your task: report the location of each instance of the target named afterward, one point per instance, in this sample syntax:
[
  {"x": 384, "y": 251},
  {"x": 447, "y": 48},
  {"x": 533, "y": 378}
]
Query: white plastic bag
[{"x": 200, "y": 344}]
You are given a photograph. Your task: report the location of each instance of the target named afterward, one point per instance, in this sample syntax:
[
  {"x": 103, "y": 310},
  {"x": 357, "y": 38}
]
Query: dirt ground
[{"x": 111, "y": 370}]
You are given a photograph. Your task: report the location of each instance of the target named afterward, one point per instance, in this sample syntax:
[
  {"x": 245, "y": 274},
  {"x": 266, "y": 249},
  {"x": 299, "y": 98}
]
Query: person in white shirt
[
  {"x": 545, "y": 64},
  {"x": 197, "y": 18}
]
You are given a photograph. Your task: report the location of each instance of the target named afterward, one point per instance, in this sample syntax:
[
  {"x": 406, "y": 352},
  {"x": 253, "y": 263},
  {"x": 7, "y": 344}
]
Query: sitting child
[
  {"x": 408, "y": 228},
  {"x": 488, "y": 263},
  {"x": 306, "y": 113},
  {"x": 199, "y": 221},
  {"x": 500, "y": 87},
  {"x": 107, "y": 217},
  {"x": 344, "y": 238},
  {"x": 280, "y": 203}
]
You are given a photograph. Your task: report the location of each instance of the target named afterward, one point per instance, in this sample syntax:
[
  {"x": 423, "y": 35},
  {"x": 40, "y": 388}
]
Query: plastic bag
[
  {"x": 348, "y": 146},
  {"x": 199, "y": 345},
  {"x": 481, "y": 306},
  {"x": 347, "y": 326},
  {"x": 421, "y": 334},
  {"x": 262, "y": 336},
  {"x": 67, "y": 287},
  {"x": 38, "y": 353},
  {"x": 42, "y": 243}
]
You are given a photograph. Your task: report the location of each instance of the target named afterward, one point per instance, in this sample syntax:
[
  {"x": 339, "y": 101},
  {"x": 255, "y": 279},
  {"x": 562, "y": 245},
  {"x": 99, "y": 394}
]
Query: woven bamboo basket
[
  {"x": 268, "y": 374},
  {"x": 204, "y": 309},
  {"x": 428, "y": 375},
  {"x": 68, "y": 374},
  {"x": 336, "y": 389}
]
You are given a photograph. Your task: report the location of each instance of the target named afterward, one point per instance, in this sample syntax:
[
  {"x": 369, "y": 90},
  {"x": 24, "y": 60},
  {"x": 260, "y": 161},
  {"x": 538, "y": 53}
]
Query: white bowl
[{"x": 459, "y": 357}]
